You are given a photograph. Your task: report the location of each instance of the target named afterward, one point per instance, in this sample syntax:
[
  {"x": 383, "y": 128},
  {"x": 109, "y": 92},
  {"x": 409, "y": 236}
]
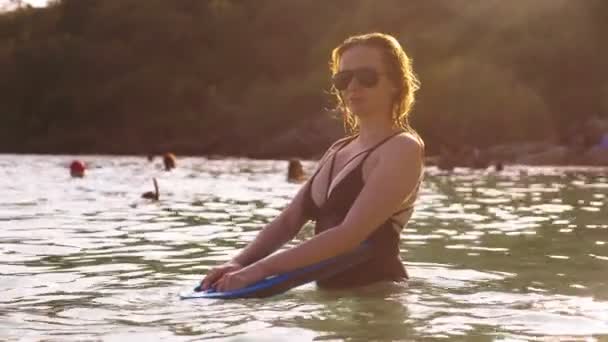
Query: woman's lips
[{"x": 355, "y": 98}]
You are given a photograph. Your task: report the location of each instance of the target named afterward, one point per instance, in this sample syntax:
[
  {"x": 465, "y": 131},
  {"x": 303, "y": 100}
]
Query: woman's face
[{"x": 362, "y": 79}]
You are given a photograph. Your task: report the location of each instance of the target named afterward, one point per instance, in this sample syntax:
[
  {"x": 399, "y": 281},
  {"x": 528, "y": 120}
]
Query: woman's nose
[{"x": 354, "y": 84}]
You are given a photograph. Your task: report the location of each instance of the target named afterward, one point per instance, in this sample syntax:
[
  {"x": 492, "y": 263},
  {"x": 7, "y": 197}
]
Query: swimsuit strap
[
  {"x": 333, "y": 161},
  {"x": 368, "y": 151},
  {"x": 340, "y": 141},
  {"x": 345, "y": 164},
  {"x": 373, "y": 148}
]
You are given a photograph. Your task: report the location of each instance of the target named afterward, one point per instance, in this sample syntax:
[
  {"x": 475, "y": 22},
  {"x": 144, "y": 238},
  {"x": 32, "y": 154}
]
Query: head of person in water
[
  {"x": 77, "y": 169},
  {"x": 499, "y": 166},
  {"x": 295, "y": 171},
  {"x": 169, "y": 161},
  {"x": 372, "y": 75}
]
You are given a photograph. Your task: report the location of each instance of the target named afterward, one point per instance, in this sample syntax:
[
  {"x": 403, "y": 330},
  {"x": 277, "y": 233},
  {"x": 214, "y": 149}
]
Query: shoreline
[{"x": 430, "y": 161}]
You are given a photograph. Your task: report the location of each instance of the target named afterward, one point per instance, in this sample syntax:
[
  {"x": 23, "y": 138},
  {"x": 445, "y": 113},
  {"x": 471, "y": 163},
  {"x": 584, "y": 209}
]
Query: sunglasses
[{"x": 366, "y": 77}]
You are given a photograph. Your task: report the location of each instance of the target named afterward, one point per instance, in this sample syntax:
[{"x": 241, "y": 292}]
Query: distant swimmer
[
  {"x": 77, "y": 169},
  {"x": 295, "y": 172},
  {"x": 446, "y": 159},
  {"x": 153, "y": 195},
  {"x": 169, "y": 161},
  {"x": 499, "y": 166}
]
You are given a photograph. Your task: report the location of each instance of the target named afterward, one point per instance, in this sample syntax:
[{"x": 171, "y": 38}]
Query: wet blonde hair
[{"x": 399, "y": 71}]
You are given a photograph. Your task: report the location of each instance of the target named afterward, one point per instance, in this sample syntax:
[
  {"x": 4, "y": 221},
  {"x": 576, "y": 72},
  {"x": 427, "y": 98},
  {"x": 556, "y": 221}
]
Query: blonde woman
[{"x": 365, "y": 186}]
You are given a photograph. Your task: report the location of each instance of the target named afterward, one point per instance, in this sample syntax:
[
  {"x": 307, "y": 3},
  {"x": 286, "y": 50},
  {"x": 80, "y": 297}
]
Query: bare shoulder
[
  {"x": 405, "y": 146},
  {"x": 334, "y": 147},
  {"x": 339, "y": 142},
  {"x": 401, "y": 153}
]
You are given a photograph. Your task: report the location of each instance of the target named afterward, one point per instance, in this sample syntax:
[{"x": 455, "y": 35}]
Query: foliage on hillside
[{"x": 251, "y": 77}]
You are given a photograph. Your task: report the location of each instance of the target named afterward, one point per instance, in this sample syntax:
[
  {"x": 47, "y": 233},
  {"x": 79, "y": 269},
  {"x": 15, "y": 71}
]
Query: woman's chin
[{"x": 359, "y": 112}]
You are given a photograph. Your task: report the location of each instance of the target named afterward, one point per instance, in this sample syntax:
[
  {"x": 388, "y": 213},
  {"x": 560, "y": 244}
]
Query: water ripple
[{"x": 514, "y": 255}]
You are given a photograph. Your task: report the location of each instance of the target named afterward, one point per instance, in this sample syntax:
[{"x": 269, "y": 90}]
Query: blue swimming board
[{"x": 283, "y": 282}]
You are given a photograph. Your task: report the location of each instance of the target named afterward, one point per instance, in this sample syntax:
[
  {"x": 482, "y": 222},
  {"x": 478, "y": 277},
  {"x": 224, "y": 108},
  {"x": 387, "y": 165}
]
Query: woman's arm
[
  {"x": 284, "y": 227},
  {"x": 393, "y": 179},
  {"x": 279, "y": 231}
]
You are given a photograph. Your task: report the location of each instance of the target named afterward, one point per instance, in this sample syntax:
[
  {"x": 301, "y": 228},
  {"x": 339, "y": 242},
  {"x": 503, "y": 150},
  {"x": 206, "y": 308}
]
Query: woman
[{"x": 365, "y": 185}]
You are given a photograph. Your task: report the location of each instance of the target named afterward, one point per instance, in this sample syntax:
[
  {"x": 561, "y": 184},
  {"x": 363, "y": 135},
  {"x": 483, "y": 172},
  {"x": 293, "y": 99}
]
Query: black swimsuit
[{"x": 385, "y": 264}]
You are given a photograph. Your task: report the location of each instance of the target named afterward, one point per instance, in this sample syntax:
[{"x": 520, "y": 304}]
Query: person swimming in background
[
  {"x": 77, "y": 169},
  {"x": 498, "y": 166},
  {"x": 446, "y": 160},
  {"x": 295, "y": 171},
  {"x": 169, "y": 161},
  {"x": 365, "y": 185},
  {"x": 153, "y": 195}
]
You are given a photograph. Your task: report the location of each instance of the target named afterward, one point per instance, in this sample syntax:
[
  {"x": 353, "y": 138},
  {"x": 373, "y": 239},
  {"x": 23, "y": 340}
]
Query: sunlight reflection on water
[{"x": 511, "y": 255}]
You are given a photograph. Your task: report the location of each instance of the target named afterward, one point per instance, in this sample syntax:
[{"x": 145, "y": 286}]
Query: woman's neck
[{"x": 371, "y": 131}]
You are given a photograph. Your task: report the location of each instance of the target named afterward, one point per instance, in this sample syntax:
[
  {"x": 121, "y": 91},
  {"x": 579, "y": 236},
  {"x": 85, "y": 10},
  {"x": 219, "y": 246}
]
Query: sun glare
[{"x": 37, "y": 3}]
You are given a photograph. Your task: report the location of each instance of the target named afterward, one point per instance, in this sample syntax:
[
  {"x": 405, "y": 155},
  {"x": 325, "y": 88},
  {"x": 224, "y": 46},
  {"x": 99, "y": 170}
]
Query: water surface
[{"x": 510, "y": 256}]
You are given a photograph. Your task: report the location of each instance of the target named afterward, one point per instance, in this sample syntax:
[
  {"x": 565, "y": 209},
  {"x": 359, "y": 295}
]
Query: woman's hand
[
  {"x": 240, "y": 278},
  {"x": 218, "y": 272}
]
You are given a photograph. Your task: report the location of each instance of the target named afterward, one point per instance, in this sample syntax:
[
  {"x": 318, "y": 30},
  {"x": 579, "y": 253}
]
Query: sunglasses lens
[
  {"x": 367, "y": 77},
  {"x": 342, "y": 79}
]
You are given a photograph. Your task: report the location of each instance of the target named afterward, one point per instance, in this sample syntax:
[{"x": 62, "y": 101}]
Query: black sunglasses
[{"x": 367, "y": 77}]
